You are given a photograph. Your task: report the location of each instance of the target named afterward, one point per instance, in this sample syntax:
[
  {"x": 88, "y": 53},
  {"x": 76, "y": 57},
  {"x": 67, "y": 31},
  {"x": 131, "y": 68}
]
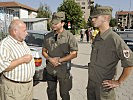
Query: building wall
[
  {"x": 125, "y": 20},
  {"x": 41, "y": 25},
  {"x": 85, "y": 7},
  {"x": 23, "y": 13},
  {"x": 32, "y": 14},
  {"x": 6, "y": 16}
]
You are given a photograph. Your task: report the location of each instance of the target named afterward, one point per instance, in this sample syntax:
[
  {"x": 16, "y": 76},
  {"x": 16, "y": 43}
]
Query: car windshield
[{"x": 34, "y": 39}]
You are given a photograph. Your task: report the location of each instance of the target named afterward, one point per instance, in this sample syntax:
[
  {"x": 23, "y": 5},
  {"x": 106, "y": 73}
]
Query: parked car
[
  {"x": 129, "y": 42},
  {"x": 34, "y": 40},
  {"x": 125, "y": 34},
  {"x": 128, "y": 29}
]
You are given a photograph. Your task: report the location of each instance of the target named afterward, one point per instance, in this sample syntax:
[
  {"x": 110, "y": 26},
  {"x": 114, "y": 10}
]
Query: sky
[{"x": 117, "y": 5}]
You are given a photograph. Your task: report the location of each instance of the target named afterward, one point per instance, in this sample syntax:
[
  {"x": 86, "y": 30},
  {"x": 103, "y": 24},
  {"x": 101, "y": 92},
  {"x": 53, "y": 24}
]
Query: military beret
[
  {"x": 102, "y": 10},
  {"x": 58, "y": 17}
]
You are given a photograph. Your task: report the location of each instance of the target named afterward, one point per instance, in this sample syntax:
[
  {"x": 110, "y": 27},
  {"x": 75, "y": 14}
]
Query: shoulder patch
[{"x": 126, "y": 53}]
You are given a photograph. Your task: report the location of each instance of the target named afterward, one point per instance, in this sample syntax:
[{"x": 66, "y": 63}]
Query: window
[
  {"x": 83, "y": 7},
  {"x": 29, "y": 26},
  {"x": 83, "y": 3},
  {"x": 34, "y": 39},
  {"x": 16, "y": 14},
  {"x": 1, "y": 10}
]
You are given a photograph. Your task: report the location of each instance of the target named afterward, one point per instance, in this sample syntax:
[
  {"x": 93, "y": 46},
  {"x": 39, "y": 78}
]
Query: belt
[{"x": 16, "y": 81}]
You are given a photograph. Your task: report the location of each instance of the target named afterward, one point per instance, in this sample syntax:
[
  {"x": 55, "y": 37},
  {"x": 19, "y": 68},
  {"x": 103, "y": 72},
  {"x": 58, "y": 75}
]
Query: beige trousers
[{"x": 16, "y": 91}]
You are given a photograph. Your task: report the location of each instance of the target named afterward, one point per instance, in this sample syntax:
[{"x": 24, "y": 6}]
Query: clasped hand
[{"x": 55, "y": 61}]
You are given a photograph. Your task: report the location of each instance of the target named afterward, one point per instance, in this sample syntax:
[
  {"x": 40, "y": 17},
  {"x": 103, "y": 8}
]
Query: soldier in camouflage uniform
[{"x": 59, "y": 48}]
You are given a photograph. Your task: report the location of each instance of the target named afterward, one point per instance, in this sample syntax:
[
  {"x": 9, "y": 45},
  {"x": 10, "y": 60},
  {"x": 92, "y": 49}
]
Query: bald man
[{"x": 16, "y": 64}]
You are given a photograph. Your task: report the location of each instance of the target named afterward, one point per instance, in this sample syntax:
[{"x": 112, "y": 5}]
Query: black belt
[{"x": 16, "y": 81}]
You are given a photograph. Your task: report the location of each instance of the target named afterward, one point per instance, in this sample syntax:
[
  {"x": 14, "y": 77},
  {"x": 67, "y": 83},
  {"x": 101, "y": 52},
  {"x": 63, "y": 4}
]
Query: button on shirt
[
  {"x": 11, "y": 49},
  {"x": 107, "y": 50}
]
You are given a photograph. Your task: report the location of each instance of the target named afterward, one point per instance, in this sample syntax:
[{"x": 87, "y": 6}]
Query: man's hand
[
  {"x": 109, "y": 84},
  {"x": 54, "y": 61},
  {"x": 26, "y": 58}
]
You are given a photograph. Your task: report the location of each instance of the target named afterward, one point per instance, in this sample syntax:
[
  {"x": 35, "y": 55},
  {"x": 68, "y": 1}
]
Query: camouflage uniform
[{"x": 59, "y": 46}]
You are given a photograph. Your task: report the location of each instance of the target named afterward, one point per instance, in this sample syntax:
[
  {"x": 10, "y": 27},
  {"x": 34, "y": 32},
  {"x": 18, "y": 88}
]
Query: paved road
[{"x": 79, "y": 72}]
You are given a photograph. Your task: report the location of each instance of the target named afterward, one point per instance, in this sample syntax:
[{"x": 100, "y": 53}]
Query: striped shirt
[{"x": 11, "y": 49}]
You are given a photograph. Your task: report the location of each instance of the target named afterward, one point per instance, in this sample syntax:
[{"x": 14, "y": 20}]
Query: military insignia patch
[{"x": 126, "y": 53}]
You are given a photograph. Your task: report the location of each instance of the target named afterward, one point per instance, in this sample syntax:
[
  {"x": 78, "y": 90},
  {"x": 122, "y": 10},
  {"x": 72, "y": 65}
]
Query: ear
[
  {"x": 15, "y": 31},
  {"x": 63, "y": 23}
]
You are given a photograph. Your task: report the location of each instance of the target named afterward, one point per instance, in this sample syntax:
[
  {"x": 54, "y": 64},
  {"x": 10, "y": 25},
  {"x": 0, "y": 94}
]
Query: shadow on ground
[
  {"x": 80, "y": 66},
  {"x": 82, "y": 42}
]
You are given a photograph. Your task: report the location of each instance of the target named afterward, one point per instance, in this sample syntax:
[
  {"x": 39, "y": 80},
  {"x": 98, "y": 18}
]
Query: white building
[
  {"x": 37, "y": 24},
  {"x": 13, "y": 10},
  {"x": 19, "y": 10}
]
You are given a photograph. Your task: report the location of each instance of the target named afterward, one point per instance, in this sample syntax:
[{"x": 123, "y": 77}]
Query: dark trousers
[
  {"x": 81, "y": 37},
  {"x": 51, "y": 90},
  {"x": 95, "y": 91},
  {"x": 87, "y": 37},
  {"x": 65, "y": 86}
]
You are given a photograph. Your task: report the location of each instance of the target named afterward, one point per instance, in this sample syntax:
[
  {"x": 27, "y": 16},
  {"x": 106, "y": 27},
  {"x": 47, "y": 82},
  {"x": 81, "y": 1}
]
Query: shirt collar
[
  {"x": 106, "y": 34},
  {"x": 15, "y": 41},
  {"x": 61, "y": 34}
]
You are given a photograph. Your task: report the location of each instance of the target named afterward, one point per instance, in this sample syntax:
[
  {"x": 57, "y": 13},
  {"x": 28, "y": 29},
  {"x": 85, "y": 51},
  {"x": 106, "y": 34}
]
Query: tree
[
  {"x": 94, "y": 7},
  {"x": 44, "y": 12},
  {"x": 73, "y": 13},
  {"x": 113, "y": 22}
]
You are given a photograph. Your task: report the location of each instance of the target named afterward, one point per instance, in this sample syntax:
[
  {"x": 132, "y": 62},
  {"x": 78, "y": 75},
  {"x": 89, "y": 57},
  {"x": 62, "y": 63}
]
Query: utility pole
[{"x": 129, "y": 17}]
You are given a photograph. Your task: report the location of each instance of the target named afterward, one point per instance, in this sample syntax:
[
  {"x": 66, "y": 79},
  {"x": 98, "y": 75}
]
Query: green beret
[
  {"x": 58, "y": 17},
  {"x": 103, "y": 10}
]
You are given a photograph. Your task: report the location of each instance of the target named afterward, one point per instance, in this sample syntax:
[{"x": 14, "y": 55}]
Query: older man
[
  {"x": 107, "y": 49},
  {"x": 16, "y": 64}
]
